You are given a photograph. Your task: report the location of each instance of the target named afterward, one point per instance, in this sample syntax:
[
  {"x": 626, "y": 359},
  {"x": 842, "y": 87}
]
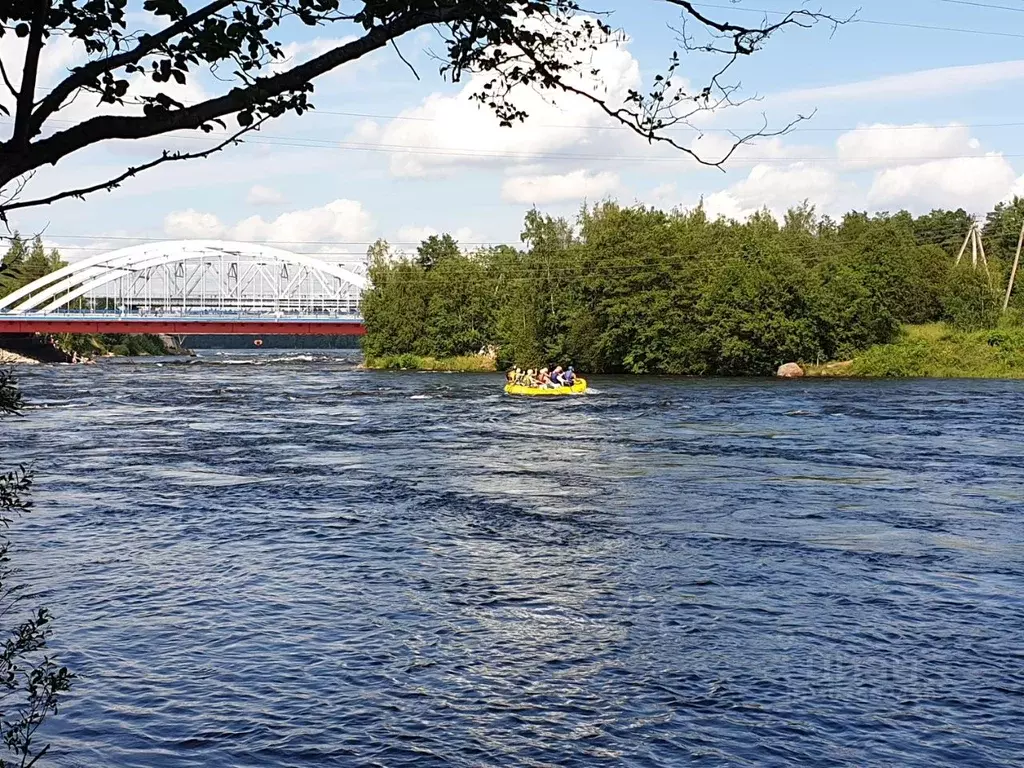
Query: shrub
[{"x": 969, "y": 302}]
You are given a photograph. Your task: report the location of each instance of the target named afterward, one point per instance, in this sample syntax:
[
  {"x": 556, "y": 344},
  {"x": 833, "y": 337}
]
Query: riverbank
[
  {"x": 13, "y": 358},
  {"x": 120, "y": 345},
  {"x": 936, "y": 351},
  {"x": 30, "y": 348},
  {"x": 459, "y": 364}
]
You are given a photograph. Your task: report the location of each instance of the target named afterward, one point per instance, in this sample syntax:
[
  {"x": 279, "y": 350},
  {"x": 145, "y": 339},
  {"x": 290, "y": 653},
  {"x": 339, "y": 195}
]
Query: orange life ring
[{"x": 258, "y": 342}]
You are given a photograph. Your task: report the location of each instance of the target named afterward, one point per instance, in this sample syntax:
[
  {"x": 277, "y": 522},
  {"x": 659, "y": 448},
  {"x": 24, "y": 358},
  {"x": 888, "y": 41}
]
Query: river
[{"x": 276, "y": 559}]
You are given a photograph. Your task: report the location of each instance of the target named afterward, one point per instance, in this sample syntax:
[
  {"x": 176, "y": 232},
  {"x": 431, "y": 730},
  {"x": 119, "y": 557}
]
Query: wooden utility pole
[
  {"x": 964, "y": 246},
  {"x": 977, "y": 249},
  {"x": 1013, "y": 272}
]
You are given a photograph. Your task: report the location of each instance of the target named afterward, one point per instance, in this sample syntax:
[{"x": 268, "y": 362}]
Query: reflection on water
[{"x": 276, "y": 559}]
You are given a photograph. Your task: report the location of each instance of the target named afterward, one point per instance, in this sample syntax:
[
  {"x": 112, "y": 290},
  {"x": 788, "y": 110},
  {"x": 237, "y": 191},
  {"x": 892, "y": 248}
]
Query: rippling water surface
[{"x": 257, "y": 561}]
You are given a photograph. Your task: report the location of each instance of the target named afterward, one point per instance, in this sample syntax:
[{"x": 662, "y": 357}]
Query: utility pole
[
  {"x": 977, "y": 249},
  {"x": 1013, "y": 272}
]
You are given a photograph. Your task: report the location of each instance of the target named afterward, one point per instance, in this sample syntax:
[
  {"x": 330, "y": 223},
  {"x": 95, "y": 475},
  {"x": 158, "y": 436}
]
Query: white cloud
[
  {"x": 925, "y": 83},
  {"x": 1017, "y": 190},
  {"x": 974, "y": 183},
  {"x": 190, "y": 223},
  {"x": 917, "y": 167},
  {"x": 457, "y": 131},
  {"x": 556, "y": 188},
  {"x": 338, "y": 226},
  {"x": 664, "y": 194},
  {"x": 82, "y": 249},
  {"x": 881, "y": 145},
  {"x": 261, "y": 195},
  {"x": 778, "y": 189}
]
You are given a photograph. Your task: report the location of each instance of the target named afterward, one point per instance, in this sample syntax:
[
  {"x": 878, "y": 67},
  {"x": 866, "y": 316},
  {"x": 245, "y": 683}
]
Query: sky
[{"x": 914, "y": 105}]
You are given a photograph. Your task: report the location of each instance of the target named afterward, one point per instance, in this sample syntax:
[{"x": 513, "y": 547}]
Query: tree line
[{"x": 640, "y": 290}]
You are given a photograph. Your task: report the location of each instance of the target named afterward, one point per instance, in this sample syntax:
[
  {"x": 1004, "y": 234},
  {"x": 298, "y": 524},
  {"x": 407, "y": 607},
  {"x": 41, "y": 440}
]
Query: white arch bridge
[{"x": 190, "y": 287}]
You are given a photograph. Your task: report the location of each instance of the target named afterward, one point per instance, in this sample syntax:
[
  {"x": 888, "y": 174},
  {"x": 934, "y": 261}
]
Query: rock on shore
[
  {"x": 13, "y": 358},
  {"x": 790, "y": 371}
]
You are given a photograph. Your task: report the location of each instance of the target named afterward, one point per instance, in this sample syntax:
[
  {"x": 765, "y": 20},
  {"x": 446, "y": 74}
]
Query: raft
[{"x": 579, "y": 387}]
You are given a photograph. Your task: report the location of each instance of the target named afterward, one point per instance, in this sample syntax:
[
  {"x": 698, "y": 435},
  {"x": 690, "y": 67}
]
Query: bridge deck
[{"x": 183, "y": 325}]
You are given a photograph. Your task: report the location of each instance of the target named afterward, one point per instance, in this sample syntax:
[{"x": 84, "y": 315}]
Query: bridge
[{"x": 191, "y": 287}]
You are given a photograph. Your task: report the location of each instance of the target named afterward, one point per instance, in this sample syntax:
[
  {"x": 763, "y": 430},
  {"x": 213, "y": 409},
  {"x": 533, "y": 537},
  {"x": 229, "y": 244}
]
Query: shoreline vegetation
[
  {"x": 636, "y": 290},
  {"x": 936, "y": 351},
  {"x": 922, "y": 351},
  {"x": 408, "y": 362}
]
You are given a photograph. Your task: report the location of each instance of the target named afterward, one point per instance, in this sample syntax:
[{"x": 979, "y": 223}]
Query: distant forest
[{"x": 639, "y": 290}]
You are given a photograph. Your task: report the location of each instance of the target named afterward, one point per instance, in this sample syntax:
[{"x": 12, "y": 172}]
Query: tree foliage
[
  {"x": 25, "y": 262},
  {"x": 541, "y": 44},
  {"x": 638, "y": 290},
  {"x": 32, "y": 684},
  {"x": 435, "y": 249}
]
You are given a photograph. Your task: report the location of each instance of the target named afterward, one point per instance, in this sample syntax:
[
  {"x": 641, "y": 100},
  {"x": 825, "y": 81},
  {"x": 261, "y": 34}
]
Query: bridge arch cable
[{"x": 197, "y": 275}]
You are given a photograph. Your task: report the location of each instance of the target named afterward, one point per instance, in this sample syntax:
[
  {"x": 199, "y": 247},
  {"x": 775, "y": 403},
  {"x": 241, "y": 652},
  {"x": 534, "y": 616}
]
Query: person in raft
[{"x": 542, "y": 378}]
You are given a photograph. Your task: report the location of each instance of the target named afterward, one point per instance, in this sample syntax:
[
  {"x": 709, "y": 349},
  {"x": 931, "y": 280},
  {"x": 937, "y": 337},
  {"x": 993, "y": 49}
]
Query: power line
[
  {"x": 1018, "y": 9},
  {"x": 405, "y": 149},
  {"x": 693, "y": 129},
  {"x": 300, "y": 142},
  {"x": 937, "y": 239},
  {"x": 874, "y": 22}
]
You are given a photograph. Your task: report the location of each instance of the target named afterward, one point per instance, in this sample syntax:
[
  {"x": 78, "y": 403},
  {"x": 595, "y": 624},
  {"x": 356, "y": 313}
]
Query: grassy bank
[
  {"x": 937, "y": 351},
  {"x": 461, "y": 363},
  {"x": 120, "y": 345}
]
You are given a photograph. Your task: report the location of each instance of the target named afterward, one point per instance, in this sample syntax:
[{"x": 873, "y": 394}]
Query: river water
[{"x": 277, "y": 559}]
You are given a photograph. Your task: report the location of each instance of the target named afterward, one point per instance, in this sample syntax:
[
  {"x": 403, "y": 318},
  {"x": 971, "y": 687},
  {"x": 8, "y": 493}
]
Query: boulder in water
[{"x": 790, "y": 371}]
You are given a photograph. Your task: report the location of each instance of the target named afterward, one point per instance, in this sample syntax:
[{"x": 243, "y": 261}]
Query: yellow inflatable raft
[{"x": 578, "y": 388}]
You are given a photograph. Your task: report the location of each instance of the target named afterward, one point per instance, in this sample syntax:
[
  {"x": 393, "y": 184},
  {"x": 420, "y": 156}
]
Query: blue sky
[{"x": 904, "y": 117}]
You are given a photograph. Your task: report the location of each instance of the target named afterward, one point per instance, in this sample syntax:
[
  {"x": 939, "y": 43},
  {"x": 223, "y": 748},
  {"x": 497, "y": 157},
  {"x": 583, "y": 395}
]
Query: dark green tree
[
  {"x": 12, "y": 262},
  {"x": 1002, "y": 231},
  {"x": 946, "y": 229},
  {"x": 758, "y": 313},
  {"x": 395, "y": 308},
  {"x": 969, "y": 300},
  {"x": 436, "y": 249},
  {"x": 24, "y": 263},
  {"x": 460, "y": 307},
  {"x": 633, "y": 289}
]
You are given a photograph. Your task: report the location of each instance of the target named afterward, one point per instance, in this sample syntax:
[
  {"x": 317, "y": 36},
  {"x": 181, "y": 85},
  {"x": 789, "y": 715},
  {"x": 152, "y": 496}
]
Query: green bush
[{"x": 969, "y": 301}]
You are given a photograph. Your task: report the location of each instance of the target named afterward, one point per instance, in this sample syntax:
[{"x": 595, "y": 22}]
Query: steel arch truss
[{"x": 195, "y": 276}]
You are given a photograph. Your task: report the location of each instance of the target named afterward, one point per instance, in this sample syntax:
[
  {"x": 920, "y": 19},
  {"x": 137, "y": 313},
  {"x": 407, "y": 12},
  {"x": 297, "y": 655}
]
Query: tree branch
[
  {"x": 404, "y": 60},
  {"x": 166, "y": 157},
  {"x": 29, "y": 72},
  {"x": 52, "y": 148},
  {"x": 7, "y": 81},
  {"x": 636, "y": 122},
  {"x": 746, "y": 39},
  {"x": 85, "y": 74}
]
